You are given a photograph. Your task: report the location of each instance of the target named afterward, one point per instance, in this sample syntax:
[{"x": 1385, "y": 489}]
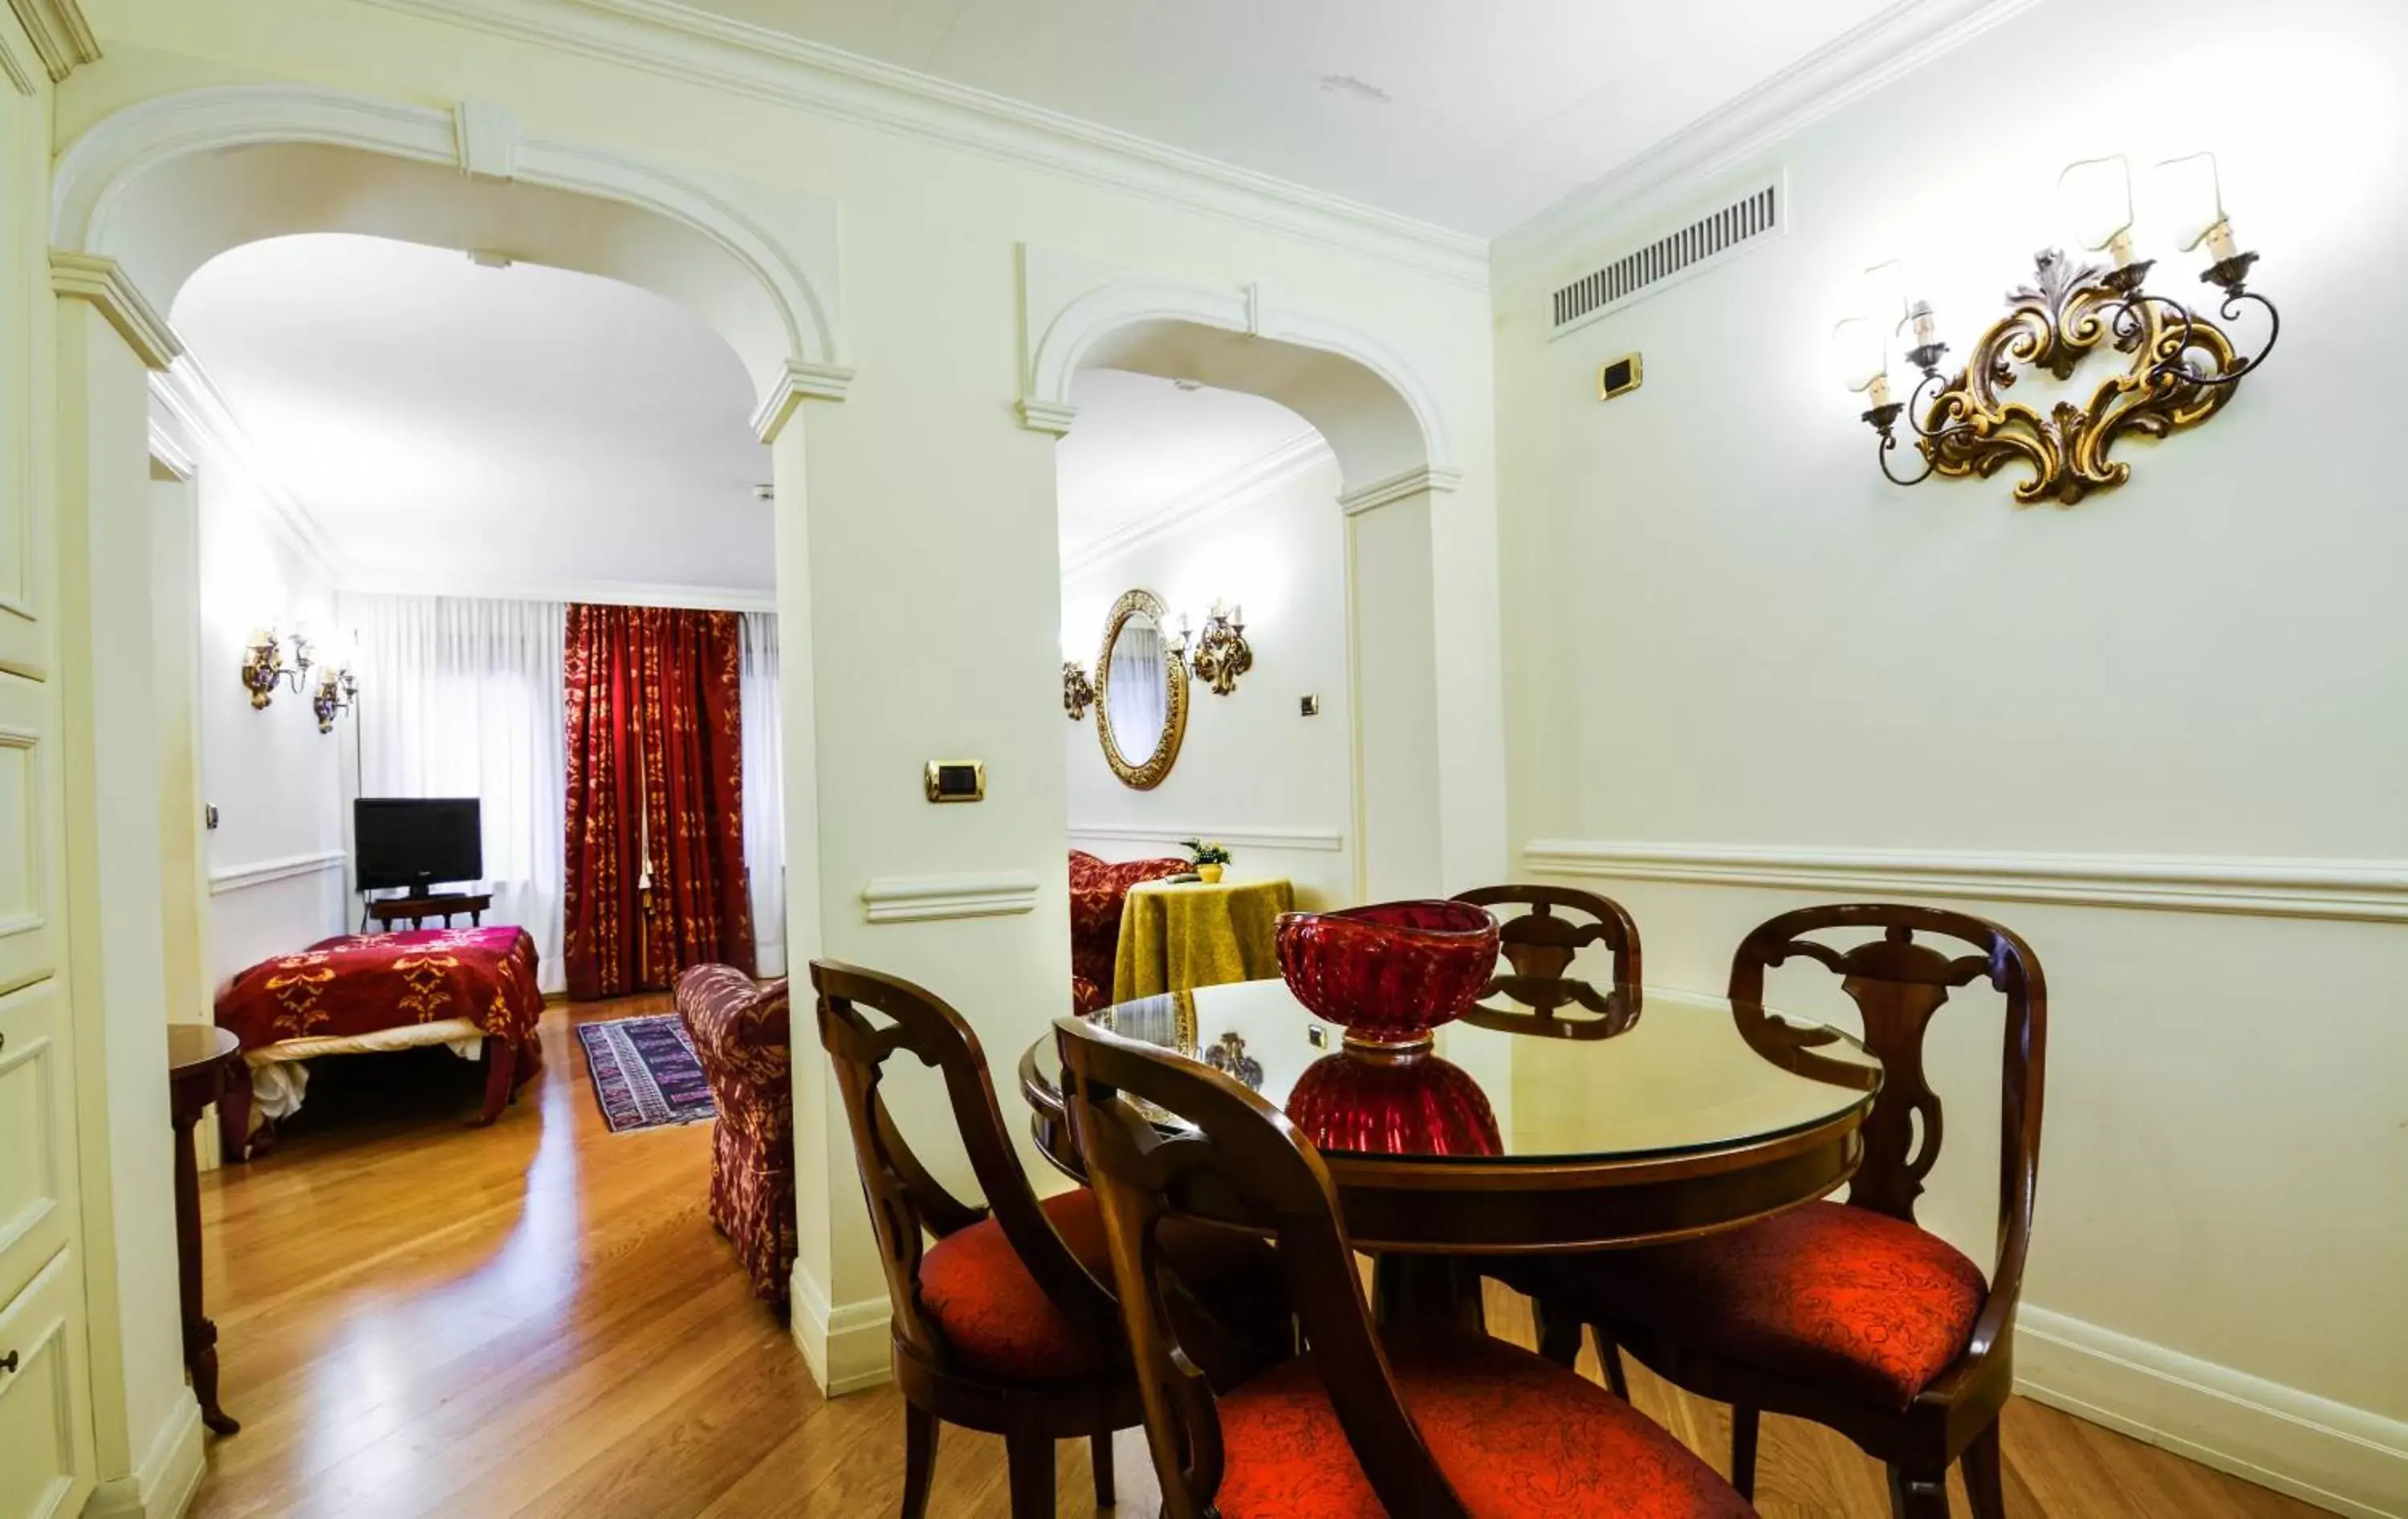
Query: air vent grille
[{"x": 1642, "y": 271}]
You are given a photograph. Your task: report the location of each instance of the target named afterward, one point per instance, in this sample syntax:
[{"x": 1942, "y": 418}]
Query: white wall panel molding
[
  {"x": 1257, "y": 476},
  {"x": 2328, "y": 1454},
  {"x": 921, "y": 898},
  {"x": 1740, "y": 133},
  {"x": 243, "y": 877},
  {"x": 1319, "y": 841},
  {"x": 798, "y": 272},
  {"x": 663, "y": 37},
  {"x": 188, "y": 395},
  {"x": 97, "y": 278},
  {"x": 61, "y": 39},
  {"x": 2373, "y": 891}
]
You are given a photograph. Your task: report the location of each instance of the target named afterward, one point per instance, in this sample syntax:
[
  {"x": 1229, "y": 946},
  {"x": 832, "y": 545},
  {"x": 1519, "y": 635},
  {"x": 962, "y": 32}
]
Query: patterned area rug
[{"x": 645, "y": 1074}]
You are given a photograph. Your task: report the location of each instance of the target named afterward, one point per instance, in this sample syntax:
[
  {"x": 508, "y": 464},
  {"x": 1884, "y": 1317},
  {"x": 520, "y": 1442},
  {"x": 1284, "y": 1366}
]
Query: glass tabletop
[{"x": 1641, "y": 1071}]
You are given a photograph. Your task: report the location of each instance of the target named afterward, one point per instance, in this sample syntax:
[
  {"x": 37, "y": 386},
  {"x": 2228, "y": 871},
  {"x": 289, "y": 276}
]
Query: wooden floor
[{"x": 423, "y": 1318}]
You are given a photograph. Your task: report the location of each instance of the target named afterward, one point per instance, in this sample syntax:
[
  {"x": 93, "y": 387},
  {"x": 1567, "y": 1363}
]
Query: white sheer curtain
[
  {"x": 765, "y": 791},
  {"x": 463, "y": 697},
  {"x": 1138, "y": 690}
]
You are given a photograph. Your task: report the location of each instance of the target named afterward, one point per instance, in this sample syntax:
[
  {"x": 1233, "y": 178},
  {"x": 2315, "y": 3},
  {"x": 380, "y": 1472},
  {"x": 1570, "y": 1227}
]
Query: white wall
[
  {"x": 275, "y": 859},
  {"x": 1728, "y": 630},
  {"x": 1253, "y": 772}
]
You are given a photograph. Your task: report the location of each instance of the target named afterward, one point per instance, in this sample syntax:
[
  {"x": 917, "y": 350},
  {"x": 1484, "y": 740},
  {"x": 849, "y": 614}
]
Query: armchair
[
  {"x": 741, "y": 1035},
  {"x": 1099, "y": 890}
]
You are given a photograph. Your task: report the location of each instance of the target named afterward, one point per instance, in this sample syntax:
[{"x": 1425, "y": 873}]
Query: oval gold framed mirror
[{"x": 1140, "y": 693}]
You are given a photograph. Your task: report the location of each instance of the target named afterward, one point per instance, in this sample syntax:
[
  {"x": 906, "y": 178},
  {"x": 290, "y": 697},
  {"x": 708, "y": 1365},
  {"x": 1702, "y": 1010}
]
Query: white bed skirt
[{"x": 278, "y": 1079}]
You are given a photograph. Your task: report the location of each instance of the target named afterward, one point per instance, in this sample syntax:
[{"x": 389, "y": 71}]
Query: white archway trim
[
  {"x": 1069, "y": 304},
  {"x": 1396, "y": 487},
  {"x": 481, "y": 138},
  {"x": 89, "y": 277}
]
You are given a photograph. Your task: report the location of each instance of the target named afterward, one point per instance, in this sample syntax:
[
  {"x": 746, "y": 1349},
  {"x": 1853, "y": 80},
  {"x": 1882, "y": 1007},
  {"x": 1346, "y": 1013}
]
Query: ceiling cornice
[
  {"x": 593, "y": 593},
  {"x": 61, "y": 39},
  {"x": 677, "y": 41},
  {"x": 188, "y": 393},
  {"x": 1264, "y": 472},
  {"x": 1740, "y": 133}
]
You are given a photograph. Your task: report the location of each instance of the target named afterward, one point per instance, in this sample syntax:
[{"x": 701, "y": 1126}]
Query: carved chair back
[
  {"x": 1538, "y": 946},
  {"x": 1241, "y": 1160},
  {"x": 1898, "y": 984},
  {"x": 906, "y": 1203}
]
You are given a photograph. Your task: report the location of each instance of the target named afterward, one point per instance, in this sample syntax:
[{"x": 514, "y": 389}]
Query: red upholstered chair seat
[
  {"x": 998, "y": 1319},
  {"x": 1836, "y": 1297},
  {"x": 1516, "y": 1437},
  {"x": 1099, "y": 890}
]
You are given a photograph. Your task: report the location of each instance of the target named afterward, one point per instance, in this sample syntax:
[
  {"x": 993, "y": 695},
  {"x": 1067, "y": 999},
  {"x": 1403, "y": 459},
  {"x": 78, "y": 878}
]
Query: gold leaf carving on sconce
[{"x": 2073, "y": 310}]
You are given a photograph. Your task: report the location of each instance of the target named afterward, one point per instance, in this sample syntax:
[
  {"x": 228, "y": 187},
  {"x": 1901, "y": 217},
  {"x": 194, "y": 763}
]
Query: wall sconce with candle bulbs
[
  {"x": 1078, "y": 691},
  {"x": 338, "y": 691},
  {"x": 2181, "y": 367},
  {"x": 264, "y": 666},
  {"x": 1221, "y": 652}
]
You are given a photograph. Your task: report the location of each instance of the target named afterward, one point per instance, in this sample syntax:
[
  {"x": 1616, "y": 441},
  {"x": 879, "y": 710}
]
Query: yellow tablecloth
[{"x": 1179, "y": 934}]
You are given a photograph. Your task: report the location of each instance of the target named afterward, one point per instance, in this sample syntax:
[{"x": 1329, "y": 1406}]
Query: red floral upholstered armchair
[
  {"x": 739, "y": 1027},
  {"x": 1098, "y": 893}
]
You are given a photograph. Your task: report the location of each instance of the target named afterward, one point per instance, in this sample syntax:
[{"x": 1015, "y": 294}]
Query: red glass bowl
[
  {"x": 1390, "y": 1104},
  {"x": 1390, "y": 973}
]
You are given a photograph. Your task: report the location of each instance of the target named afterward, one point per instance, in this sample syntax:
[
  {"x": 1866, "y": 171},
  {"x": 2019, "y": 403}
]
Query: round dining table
[{"x": 1618, "y": 1118}]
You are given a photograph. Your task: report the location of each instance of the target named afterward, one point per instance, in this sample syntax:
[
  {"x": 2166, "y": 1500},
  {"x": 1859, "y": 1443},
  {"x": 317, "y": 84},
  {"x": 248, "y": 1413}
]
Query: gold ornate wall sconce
[
  {"x": 264, "y": 666},
  {"x": 1221, "y": 654},
  {"x": 338, "y": 691},
  {"x": 2180, "y": 368},
  {"x": 1078, "y": 691}
]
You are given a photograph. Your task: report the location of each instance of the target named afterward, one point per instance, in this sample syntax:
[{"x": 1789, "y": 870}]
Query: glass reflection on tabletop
[{"x": 1579, "y": 1077}]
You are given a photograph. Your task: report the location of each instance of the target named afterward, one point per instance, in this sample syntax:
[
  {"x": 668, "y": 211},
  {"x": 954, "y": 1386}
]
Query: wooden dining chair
[
  {"x": 1430, "y": 1422},
  {"x": 1848, "y": 1314},
  {"x": 1003, "y": 1323}
]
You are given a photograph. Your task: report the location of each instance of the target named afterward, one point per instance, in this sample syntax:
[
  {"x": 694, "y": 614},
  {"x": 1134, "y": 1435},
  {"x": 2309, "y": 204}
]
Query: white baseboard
[
  {"x": 163, "y": 1485},
  {"x": 2320, "y": 1451},
  {"x": 848, "y": 1347}
]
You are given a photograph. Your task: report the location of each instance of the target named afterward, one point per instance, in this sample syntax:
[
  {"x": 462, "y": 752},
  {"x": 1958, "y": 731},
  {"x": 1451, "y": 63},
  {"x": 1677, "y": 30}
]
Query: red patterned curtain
[{"x": 655, "y": 791}]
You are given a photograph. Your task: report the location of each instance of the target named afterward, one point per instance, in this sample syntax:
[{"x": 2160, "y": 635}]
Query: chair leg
[
  {"x": 1984, "y": 1481},
  {"x": 1742, "y": 1467},
  {"x": 920, "y": 1428},
  {"x": 1559, "y": 1333},
  {"x": 1031, "y": 1459},
  {"x": 1099, "y": 1456},
  {"x": 1609, "y": 1355},
  {"x": 1918, "y": 1494}
]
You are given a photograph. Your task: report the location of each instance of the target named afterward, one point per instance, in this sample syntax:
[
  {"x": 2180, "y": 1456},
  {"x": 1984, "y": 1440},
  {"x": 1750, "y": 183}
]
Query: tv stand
[{"x": 388, "y": 910}]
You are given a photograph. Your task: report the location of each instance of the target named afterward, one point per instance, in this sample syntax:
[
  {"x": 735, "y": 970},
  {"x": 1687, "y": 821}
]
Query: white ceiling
[
  {"x": 1142, "y": 444},
  {"x": 453, "y": 427},
  {"x": 1475, "y": 116}
]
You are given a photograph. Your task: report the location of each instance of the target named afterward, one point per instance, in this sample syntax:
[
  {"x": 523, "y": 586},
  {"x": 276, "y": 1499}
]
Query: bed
[{"x": 472, "y": 990}]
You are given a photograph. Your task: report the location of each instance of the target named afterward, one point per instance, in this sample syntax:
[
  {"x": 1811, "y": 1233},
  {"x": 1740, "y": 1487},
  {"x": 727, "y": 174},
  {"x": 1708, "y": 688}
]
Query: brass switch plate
[{"x": 956, "y": 781}]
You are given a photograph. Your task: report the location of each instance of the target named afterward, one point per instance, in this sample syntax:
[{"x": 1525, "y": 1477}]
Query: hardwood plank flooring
[{"x": 423, "y": 1318}]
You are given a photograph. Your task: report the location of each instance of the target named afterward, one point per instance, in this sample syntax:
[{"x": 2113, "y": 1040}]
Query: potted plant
[{"x": 1209, "y": 858}]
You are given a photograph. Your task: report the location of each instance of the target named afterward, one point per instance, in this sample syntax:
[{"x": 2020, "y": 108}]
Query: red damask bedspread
[{"x": 361, "y": 983}]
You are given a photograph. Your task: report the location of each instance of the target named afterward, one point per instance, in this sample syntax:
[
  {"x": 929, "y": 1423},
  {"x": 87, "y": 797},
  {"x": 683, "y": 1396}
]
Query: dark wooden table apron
[
  {"x": 1477, "y": 1208},
  {"x": 202, "y": 1060}
]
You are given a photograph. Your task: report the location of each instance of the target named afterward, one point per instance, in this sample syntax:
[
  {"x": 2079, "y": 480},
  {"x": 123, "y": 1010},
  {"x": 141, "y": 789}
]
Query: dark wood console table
[
  {"x": 388, "y": 910},
  {"x": 202, "y": 1061}
]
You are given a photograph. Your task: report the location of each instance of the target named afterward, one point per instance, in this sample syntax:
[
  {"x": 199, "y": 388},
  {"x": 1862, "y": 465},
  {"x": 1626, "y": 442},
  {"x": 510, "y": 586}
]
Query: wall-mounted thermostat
[
  {"x": 956, "y": 781},
  {"x": 1620, "y": 377}
]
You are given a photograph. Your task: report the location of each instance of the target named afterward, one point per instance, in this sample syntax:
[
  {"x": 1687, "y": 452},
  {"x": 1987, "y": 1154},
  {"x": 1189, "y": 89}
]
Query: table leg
[
  {"x": 200, "y": 1334},
  {"x": 1442, "y": 1287}
]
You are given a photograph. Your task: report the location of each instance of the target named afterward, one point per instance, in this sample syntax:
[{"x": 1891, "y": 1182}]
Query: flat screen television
[{"x": 414, "y": 842}]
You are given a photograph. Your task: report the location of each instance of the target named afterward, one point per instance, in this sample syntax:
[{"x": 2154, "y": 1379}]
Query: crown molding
[
  {"x": 677, "y": 41},
  {"x": 2364, "y": 890},
  {"x": 20, "y": 78},
  {"x": 1264, "y": 472},
  {"x": 188, "y": 395},
  {"x": 169, "y": 455},
  {"x": 90, "y": 276},
  {"x": 61, "y": 39},
  {"x": 593, "y": 593},
  {"x": 1743, "y": 130},
  {"x": 920, "y": 898},
  {"x": 1415, "y": 481}
]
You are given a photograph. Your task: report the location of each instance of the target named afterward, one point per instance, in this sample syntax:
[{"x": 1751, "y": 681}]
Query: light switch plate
[{"x": 956, "y": 781}]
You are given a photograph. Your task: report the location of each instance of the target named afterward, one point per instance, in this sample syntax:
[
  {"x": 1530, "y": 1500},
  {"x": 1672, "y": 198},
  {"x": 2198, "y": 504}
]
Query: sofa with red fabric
[
  {"x": 1098, "y": 890},
  {"x": 740, "y": 1029}
]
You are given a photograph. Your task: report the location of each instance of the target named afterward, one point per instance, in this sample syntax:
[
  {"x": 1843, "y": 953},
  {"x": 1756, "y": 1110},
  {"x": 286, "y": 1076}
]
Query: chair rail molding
[
  {"x": 1320, "y": 841},
  {"x": 681, "y": 42},
  {"x": 923, "y": 898},
  {"x": 799, "y": 273},
  {"x": 1743, "y": 131},
  {"x": 285, "y": 868},
  {"x": 2367, "y": 890}
]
